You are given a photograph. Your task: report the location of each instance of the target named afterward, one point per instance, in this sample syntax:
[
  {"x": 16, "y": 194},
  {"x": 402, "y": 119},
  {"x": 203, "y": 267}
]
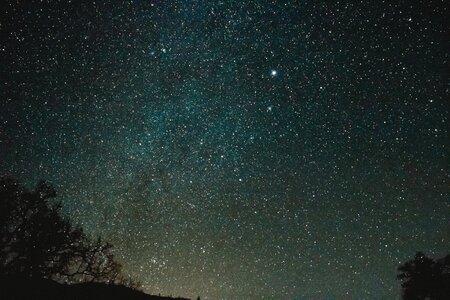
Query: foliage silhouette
[
  {"x": 36, "y": 241},
  {"x": 425, "y": 278}
]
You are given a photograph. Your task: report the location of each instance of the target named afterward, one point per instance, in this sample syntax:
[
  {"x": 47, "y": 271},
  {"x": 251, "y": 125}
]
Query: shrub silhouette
[
  {"x": 425, "y": 278},
  {"x": 36, "y": 241}
]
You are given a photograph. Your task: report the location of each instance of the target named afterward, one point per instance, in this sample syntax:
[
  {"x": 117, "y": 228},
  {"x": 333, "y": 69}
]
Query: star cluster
[{"x": 237, "y": 149}]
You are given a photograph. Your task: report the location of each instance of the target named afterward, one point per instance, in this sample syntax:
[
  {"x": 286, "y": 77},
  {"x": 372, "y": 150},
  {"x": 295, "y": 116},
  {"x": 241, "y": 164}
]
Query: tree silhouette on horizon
[
  {"x": 37, "y": 241},
  {"x": 425, "y": 278}
]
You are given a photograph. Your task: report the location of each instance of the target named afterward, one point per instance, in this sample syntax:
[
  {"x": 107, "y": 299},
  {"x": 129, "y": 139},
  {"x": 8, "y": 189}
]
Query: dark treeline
[
  {"x": 42, "y": 249},
  {"x": 425, "y": 278},
  {"x": 36, "y": 241},
  {"x": 44, "y": 256}
]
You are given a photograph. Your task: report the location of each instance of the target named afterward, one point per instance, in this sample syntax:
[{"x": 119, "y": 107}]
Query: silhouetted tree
[
  {"x": 425, "y": 278},
  {"x": 36, "y": 241}
]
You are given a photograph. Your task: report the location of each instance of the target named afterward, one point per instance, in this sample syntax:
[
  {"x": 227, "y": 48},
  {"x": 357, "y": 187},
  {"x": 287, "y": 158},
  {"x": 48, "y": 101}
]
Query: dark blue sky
[{"x": 237, "y": 149}]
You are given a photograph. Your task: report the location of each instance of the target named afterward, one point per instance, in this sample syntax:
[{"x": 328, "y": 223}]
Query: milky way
[{"x": 237, "y": 149}]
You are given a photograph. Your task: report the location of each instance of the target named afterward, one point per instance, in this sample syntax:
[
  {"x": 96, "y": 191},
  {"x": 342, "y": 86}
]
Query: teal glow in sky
[{"x": 237, "y": 149}]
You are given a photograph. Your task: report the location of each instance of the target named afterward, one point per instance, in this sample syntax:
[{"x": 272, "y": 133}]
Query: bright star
[{"x": 273, "y": 73}]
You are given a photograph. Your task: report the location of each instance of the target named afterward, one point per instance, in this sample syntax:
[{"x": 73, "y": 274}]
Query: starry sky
[{"x": 237, "y": 149}]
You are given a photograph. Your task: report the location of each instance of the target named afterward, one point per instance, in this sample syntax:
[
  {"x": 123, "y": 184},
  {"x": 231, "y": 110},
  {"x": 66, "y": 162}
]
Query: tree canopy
[
  {"x": 37, "y": 241},
  {"x": 425, "y": 278}
]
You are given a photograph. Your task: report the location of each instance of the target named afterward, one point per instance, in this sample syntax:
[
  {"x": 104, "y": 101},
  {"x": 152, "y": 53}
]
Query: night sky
[{"x": 237, "y": 149}]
